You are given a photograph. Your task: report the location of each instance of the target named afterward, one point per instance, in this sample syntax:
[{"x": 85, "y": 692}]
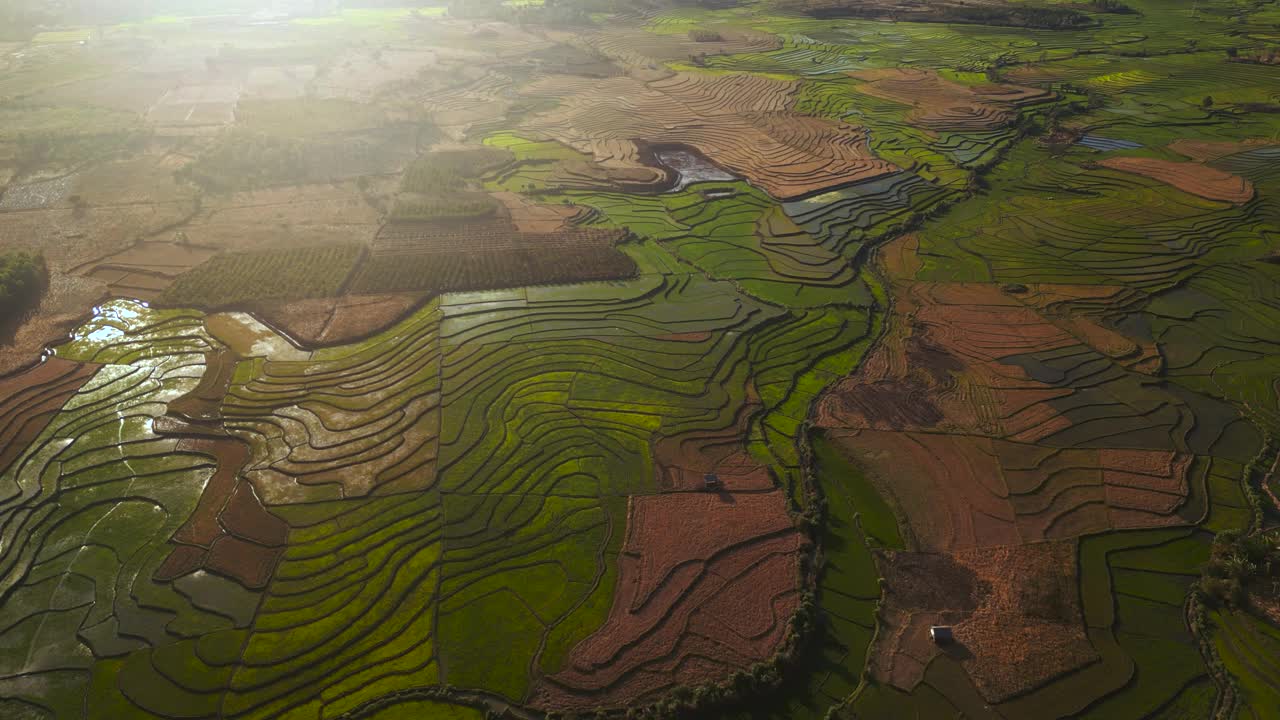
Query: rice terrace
[{"x": 550, "y": 359}]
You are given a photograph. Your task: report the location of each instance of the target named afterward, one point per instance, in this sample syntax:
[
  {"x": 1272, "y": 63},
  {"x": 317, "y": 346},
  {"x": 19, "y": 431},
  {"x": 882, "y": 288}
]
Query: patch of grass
[{"x": 307, "y": 116}]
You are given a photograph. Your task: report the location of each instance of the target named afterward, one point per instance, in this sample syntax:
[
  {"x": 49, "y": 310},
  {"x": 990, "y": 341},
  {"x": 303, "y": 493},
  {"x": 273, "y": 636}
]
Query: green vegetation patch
[
  {"x": 22, "y": 279},
  {"x": 285, "y": 274}
]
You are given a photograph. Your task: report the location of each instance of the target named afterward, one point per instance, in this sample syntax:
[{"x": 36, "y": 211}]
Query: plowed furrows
[{"x": 682, "y": 596}]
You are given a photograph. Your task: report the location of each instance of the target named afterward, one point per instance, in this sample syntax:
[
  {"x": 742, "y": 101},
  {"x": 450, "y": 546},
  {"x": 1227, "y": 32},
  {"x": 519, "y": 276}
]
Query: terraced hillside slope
[{"x": 642, "y": 359}]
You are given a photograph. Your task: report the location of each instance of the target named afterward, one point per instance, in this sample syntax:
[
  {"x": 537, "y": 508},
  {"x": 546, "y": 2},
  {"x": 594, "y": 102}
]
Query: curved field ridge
[
  {"x": 744, "y": 122},
  {"x": 706, "y": 584},
  {"x": 1207, "y": 182},
  {"x": 344, "y": 423},
  {"x": 941, "y": 105}
]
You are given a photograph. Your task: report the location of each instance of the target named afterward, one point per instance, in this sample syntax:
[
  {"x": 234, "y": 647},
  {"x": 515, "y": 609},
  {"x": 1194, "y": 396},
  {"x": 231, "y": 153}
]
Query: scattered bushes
[
  {"x": 238, "y": 278},
  {"x": 1236, "y": 561},
  {"x": 468, "y": 207},
  {"x": 23, "y": 276},
  {"x": 242, "y": 160},
  {"x": 1261, "y": 56},
  {"x": 701, "y": 35},
  {"x": 1114, "y": 7}
]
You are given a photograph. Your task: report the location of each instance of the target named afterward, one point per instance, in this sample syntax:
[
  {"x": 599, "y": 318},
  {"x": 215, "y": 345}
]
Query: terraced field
[{"x": 662, "y": 360}]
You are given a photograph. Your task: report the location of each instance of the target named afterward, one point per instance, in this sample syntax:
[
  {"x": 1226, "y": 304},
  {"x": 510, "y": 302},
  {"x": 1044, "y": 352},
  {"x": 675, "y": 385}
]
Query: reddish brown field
[
  {"x": 1014, "y": 610},
  {"x": 1208, "y": 150},
  {"x": 706, "y": 585},
  {"x": 963, "y": 491},
  {"x": 531, "y": 217},
  {"x": 1194, "y": 178},
  {"x": 743, "y": 121},
  {"x": 29, "y": 400},
  {"x": 338, "y": 320},
  {"x": 940, "y": 368},
  {"x": 145, "y": 270},
  {"x": 943, "y": 105},
  {"x": 230, "y": 532}
]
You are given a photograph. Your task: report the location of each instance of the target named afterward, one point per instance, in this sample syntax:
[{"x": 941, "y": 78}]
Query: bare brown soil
[
  {"x": 30, "y": 399},
  {"x": 706, "y": 585},
  {"x": 230, "y": 532},
  {"x": 940, "y": 367},
  {"x": 1194, "y": 178},
  {"x": 743, "y": 121},
  {"x": 147, "y": 269},
  {"x": 284, "y": 217},
  {"x": 1014, "y": 610},
  {"x": 338, "y": 320},
  {"x": 939, "y": 104},
  {"x": 962, "y": 491},
  {"x": 1207, "y": 150},
  {"x": 531, "y": 217}
]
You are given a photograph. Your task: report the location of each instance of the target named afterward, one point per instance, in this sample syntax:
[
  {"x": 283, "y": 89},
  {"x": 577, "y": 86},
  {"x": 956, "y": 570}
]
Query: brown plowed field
[
  {"x": 1194, "y": 178},
  {"x": 532, "y": 217},
  {"x": 940, "y": 368},
  {"x": 230, "y": 532},
  {"x": 146, "y": 269},
  {"x": 706, "y": 585},
  {"x": 743, "y": 122},
  {"x": 940, "y": 104},
  {"x": 1015, "y": 612},
  {"x": 337, "y": 320},
  {"x": 963, "y": 491},
  {"x": 942, "y": 365},
  {"x": 29, "y": 400}
]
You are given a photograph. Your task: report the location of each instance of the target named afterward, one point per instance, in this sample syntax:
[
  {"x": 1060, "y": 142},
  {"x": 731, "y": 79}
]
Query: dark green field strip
[
  {"x": 1249, "y": 648},
  {"x": 541, "y": 559},
  {"x": 1217, "y": 333}
]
